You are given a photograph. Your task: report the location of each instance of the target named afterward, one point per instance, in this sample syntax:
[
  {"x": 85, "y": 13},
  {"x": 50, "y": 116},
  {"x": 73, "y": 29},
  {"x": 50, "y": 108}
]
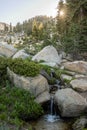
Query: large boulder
[
  {"x": 79, "y": 84},
  {"x": 21, "y": 54},
  {"x": 70, "y": 103},
  {"x": 7, "y": 50},
  {"x": 36, "y": 85},
  {"x": 48, "y": 54},
  {"x": 77, "y": 66}
]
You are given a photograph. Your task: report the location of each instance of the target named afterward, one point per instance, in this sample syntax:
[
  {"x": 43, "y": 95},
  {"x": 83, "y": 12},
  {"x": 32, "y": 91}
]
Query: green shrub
[
  {"x": 18, "y": 104},
  {"x": 3, "y": 66},
  {"x": 27, "y": 67},
  {"x": 23, "y": 67},
  {"x": 3, "y": 116},
  {"x": 3, "y": 69},
  {"x": 16, "y": 121}
]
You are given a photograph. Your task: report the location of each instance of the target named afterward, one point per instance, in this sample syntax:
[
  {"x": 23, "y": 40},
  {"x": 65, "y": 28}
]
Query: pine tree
[
  {"x": 74, "y": 33},
  {"x": 35, "y": 30}
]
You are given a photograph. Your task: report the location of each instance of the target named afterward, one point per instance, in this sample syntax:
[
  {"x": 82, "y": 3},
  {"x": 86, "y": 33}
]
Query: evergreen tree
[
  {"x": 60, "y": 19},
  {"x": 10, "y": 27},
  {"x": 35, "y": 30},
  {"x": 73, "y": 29}
]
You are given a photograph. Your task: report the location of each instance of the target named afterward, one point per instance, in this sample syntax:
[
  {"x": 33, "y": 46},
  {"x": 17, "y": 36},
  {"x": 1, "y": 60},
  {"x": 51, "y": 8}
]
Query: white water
[{"x": 52, "y": 117}]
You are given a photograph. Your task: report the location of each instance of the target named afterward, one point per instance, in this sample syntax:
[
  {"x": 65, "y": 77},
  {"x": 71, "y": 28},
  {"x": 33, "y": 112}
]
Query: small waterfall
[
  {"x": 52, "y": 116},
  {"x": 51, "y": 106}
]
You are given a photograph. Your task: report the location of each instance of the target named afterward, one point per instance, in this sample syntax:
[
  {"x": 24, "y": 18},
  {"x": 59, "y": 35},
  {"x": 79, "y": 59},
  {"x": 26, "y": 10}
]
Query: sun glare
[{"x": 61, "y": 13}]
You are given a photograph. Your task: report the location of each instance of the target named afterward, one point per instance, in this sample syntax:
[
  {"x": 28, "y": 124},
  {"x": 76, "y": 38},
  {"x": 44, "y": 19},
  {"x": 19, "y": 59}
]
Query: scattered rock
[
  {"x": 50, "y": 64},
  {"x": 78, "y": 76},
  {"x": 77, "y": 66},
  {"x": 21, "y": 54},
  {"x": 70, "y": 103},
  {"x": 79, "y": 84},
  {"x": 7, "y": 50},
  {"x": 66, "y": 77}
]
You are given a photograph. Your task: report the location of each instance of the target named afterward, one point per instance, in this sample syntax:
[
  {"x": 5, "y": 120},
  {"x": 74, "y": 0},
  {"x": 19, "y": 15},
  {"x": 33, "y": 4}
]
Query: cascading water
[{"x": 52, "y": 116}]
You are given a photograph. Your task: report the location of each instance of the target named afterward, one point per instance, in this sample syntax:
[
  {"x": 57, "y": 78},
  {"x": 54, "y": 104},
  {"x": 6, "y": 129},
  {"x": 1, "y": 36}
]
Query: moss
[
  {"x": 41, "y": 61},
  {"x": 60, "y": 71},
  {"x": 67, "y": 81},
  {"x": 46, "y": 68},
  {"x": 52, "y": 81}
]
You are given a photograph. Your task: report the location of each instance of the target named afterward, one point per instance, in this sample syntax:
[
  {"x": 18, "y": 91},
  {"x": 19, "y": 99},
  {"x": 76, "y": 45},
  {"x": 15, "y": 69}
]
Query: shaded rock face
[
  {"x": 70, "y": 103},
  {"x": 7, "y": 50},
  {"x": 79, "y": 84},
  {"x": 77, "y": 66},
  {"x": 80, "y": 123},
  {"x": 21, "y": 54},
  {"x": 38, "y": 85},
  {"x": 84, "y": 94},
  {"x": 48, "y": 54},
  {"x": 43, "y": 97}
]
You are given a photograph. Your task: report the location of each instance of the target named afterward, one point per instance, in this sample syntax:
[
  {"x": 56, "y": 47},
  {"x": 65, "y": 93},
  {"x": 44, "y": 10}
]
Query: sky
[{"x": 13, "y": 11}]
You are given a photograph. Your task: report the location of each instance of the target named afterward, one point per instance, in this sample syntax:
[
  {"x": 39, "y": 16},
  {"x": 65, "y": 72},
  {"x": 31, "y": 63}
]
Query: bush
[
  {"x": 23, "y": 67},
  {"x": 18, "y": 104},
  {"x": 3, "y": 70}
]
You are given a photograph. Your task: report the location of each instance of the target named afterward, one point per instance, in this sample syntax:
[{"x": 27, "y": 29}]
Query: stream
[{"x": 51, "y": 120}]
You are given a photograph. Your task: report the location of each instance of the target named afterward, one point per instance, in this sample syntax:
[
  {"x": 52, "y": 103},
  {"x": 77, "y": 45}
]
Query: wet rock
[
  {"x": 45, "y": 74},
  {"x": 58, "y": 125},
  {"x": 70, "y": 103},
  {"x": 80, "y": 123}
]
